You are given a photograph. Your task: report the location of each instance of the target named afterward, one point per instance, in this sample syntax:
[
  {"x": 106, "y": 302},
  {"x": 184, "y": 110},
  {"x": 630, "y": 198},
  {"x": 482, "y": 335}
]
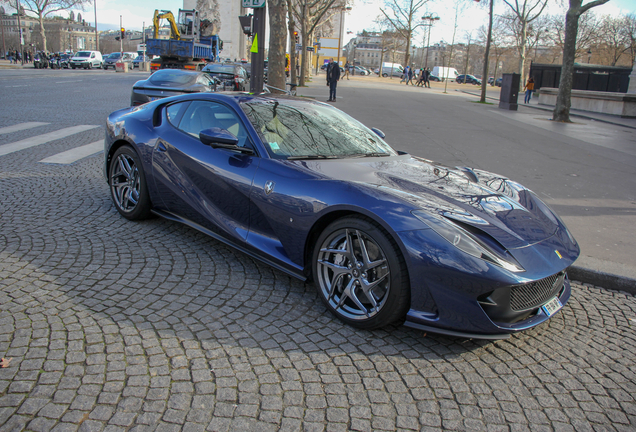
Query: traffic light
[
  {"x": 296, "y": 36},
  {"x": 123, "y": 33}
]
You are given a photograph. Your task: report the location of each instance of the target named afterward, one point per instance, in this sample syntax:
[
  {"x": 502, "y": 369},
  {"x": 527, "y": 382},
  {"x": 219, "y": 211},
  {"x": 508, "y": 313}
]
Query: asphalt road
[
  {"x": 586, "y": 170},
  {"x": 112, "y": 325}
]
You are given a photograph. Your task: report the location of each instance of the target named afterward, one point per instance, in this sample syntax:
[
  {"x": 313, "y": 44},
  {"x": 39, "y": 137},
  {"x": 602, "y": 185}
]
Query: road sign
[
  {"x": 254, "y": 3},
  {"x": 299, "y": 47},
  {"x": 310, "y": 49}
]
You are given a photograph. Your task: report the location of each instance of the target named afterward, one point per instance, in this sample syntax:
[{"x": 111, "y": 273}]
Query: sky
[{"x": 135, "y": 13}]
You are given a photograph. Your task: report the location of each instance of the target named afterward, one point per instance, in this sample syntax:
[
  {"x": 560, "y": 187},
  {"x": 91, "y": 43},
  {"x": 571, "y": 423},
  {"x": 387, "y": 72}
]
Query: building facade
[{"x": 61, "y": 34}]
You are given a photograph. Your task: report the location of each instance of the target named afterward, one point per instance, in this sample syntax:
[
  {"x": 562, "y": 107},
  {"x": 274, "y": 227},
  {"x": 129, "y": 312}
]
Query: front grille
[{"x": 535, "y": 294}]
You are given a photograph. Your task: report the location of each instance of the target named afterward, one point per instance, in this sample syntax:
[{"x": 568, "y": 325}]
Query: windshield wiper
[
  {"x": 312, "y": 157},
  {"x": 375, "y": 154}
]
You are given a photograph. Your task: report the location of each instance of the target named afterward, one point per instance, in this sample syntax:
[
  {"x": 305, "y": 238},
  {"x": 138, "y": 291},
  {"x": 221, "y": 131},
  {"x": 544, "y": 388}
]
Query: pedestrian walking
[
  {"x": 529, "y": 89},
  {"x": 427, "y": 78},
  {"x": 333, "y": 75},
  {"x": 410, "y": 75},
  {"x": 405, "y": 74},
  {"x": 346, "y": 68}
]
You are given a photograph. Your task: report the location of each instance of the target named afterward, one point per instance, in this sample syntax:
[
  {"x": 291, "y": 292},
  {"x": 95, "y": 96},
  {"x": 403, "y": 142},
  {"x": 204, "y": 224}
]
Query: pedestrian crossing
[{"x": 63, "y": 158}]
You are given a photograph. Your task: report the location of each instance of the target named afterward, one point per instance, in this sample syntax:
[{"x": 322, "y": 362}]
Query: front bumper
[{"x": 456, "y": 294}]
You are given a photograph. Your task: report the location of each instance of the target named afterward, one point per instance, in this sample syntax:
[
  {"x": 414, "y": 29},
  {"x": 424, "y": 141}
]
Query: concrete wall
[{"x": 619, "y": 104}]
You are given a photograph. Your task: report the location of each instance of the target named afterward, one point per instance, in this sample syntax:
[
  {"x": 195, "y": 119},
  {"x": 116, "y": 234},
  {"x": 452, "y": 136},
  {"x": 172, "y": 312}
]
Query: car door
[{"x": 204, "y": 185}]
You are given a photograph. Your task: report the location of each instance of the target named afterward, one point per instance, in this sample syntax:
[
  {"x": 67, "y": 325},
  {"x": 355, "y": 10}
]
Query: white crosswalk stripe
[
  {"x": 42, "y": 139},
  {"x": 20, "y": 127},
  {"x": 75, "y": 154}
]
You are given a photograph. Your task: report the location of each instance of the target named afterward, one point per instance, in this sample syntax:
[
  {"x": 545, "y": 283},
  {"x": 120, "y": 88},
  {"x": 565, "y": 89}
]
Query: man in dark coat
[{"x": 333, "y": 75}]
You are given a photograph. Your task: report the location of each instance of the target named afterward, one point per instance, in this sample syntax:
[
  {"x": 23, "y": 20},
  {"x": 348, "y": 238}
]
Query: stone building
[{"x": 61, "y": 34}]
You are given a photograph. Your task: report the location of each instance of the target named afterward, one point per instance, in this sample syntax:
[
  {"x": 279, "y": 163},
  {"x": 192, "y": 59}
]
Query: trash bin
[{"x": 509, "y": 91}]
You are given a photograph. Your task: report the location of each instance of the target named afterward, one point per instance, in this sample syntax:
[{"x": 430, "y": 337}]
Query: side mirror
[
  {"x": 217, "y": 137},
  {"x": 378, "y": 132}
]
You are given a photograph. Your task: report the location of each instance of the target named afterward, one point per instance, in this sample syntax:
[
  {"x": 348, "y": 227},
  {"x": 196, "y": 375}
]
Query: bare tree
[
  {"x": 525, "y": 12},
  {"x": 562, "y": 109},
  {"x": 43, "y": 8},
  {"x": 403, "y": 16},
  {"x": 587, "y": 33},
  {"x": 630, "y": 21},
  {"x": 309, "y": 14},
  {"x": 277, "y": 10},
  {"x": 614, "y": 38}
]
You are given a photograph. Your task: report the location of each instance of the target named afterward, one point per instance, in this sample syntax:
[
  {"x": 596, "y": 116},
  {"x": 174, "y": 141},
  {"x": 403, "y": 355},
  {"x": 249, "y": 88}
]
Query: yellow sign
[{"x": 255, "y": 44}]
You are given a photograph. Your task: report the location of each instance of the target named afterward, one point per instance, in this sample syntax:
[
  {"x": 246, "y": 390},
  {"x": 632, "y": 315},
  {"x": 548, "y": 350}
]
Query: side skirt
[{"x": 298, "y": 273}]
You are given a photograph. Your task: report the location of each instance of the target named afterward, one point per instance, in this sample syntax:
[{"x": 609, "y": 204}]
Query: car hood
[{"x": 505, "y": 210}]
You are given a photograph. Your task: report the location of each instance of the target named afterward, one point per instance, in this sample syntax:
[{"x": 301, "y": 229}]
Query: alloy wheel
[
  {"x": 353, "y": 274},
  {"x": 125, "y": 183}
]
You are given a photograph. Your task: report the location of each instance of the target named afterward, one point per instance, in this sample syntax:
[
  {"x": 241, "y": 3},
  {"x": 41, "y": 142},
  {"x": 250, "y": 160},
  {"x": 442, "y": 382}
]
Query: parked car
[
  {"x": 171, "y": 82},
  {"x": 232, "y": 76},
  {"x": 361, "y": 70},
  {"x": 86, "y": 60},
  {"x": 469, "y": 79},
  {"x": 386, "y": 237},
  {"x": 434, "y": 78},
  {"x": 498, "y": 82},
  {"x": 393, "y": 71},
  {"x": 117, "y": 57},
  {"x": 140, "y": 59}
]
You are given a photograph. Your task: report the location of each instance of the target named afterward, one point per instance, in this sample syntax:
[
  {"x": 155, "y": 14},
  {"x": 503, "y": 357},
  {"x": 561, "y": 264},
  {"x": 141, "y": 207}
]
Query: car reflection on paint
[{"x": 385, "y": 236}]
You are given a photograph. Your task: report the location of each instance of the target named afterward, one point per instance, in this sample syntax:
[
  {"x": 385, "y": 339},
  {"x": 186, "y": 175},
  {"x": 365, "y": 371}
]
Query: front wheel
[
  {"x": 360, "y": 274},
  {"x": 385, "y": 75},
  {"x": 128, "y": 188}
]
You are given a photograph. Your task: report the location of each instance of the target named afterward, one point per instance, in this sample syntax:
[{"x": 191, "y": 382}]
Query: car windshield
[
  {"x": 294, "y": 129},
  {"x": 217, "y": 68},
  {"x": 114, "y": 55},
  {"x": 83, "y": 54},
  {"x": 172, "y": 77}
]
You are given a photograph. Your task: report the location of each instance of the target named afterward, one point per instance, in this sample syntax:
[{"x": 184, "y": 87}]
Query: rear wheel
[
  {"x": 128, "y": 187},
  {"x": 385, "y": 75},
  {"x": 360, "y": 274}
]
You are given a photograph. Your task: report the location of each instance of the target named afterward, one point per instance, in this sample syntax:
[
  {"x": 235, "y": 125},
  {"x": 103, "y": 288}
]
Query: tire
[
  {"x": 342, "y": 274},
  {"x": 73, "y": 67},
  {"x": 128, "y": 187},
  {"x": 90, "y": 65},
  {"x": 385, "y": 75}
]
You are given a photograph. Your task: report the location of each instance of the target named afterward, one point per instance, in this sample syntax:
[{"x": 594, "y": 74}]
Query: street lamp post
[
  {"x": 431, "y": 19},
  {"x": 96, "y": 35},
  {"x": 20, "y": 33}
]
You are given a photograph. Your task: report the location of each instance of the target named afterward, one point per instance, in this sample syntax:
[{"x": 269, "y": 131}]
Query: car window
[
  {"x": 202, "y": 115},
  {"x": 175, "y": 111}
]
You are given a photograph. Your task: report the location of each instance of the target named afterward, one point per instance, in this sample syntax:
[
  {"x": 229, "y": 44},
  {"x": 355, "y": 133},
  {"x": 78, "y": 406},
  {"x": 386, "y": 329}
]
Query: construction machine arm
[{"x": 174, "y": 29}]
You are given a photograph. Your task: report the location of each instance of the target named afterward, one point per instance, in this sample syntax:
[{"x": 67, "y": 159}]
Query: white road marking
[
  {"x": 42, "y": 139},
  {"x": 21, "y": 126},
  {"x": 75, "y": 154}
]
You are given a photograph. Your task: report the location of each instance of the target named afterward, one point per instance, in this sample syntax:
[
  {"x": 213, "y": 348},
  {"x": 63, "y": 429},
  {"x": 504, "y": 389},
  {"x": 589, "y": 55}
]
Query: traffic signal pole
[
  {"x": 121, "y": 37},
  {"x": 258, "y": 50}
]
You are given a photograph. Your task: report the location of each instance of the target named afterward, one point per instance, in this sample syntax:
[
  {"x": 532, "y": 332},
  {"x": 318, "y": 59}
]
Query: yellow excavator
[{"x": 186, "y": 27}]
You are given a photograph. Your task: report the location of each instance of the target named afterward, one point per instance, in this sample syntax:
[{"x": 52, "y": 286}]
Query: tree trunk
[
  {"x": 42, "y": 32},
  {"x": 277, "y": 41},
  {"x": 562, "y": 109},
  {"x": 484, "y": 80},
  {"x": 292, "y": 49},
  {"x": 522, "y": 52}
]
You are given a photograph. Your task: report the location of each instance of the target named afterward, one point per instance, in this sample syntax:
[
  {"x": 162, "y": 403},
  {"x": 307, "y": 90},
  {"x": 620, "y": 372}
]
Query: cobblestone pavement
[{"x": 113, "y": 325}]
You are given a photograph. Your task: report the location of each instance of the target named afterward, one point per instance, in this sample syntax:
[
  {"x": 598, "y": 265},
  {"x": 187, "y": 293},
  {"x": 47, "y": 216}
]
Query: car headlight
[{"x": 466, "y": 242}]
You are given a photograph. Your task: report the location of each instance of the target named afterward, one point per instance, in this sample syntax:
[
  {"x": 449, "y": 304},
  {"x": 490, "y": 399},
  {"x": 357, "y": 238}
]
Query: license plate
[{"x": 551, "y": 307}]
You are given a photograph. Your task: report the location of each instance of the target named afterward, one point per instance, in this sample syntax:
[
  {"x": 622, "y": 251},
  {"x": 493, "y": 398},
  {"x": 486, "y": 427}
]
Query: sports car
[{"x": 385, "y": 236}]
